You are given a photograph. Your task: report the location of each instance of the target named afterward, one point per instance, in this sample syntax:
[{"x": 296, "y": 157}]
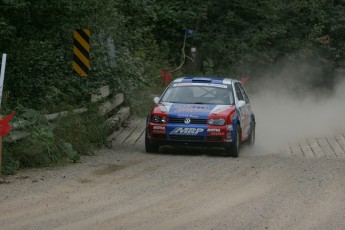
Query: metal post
[{"x": 2, "y": 75}]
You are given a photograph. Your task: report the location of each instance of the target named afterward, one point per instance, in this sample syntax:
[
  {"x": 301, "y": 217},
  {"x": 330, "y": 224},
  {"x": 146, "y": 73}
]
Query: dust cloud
[{"x": 296, "y": 103}]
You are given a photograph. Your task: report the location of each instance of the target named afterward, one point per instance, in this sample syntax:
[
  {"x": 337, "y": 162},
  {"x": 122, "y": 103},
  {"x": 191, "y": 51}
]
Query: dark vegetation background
[{"x": 235, "y": 38}]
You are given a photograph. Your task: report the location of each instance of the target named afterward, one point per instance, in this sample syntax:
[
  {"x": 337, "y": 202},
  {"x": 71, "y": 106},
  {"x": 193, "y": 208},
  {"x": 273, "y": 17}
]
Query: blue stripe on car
[{"x": 234, "y": 127}]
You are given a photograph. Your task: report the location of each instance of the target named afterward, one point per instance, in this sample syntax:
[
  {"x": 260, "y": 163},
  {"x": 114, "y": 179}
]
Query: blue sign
[{"x": 190, "y": 32}]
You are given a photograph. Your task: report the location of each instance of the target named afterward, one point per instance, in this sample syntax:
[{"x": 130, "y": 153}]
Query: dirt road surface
[{"x": 300, "y": 187}]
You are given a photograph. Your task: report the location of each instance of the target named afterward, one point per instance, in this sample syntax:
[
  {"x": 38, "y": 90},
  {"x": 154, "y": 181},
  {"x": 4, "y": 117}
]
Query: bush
[
  {"x": 55, "y": 143},
  {"x": 9, "y": 163},
  {"x": 85, "y": 132}
]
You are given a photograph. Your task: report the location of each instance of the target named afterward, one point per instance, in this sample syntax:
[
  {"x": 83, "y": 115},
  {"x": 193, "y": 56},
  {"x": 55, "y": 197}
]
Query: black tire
[
  {"x": 251, "y": 139},
  {"x": 234, "y": 149},
  {"x": 149, "y": 146}
]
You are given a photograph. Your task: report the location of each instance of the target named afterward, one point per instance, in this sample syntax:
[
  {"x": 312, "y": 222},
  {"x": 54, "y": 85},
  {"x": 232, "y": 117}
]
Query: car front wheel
[
  {"x": 251, "y": 139},
  {"x": 234, "y": 149},
  {"x": 149, "y": 146}
]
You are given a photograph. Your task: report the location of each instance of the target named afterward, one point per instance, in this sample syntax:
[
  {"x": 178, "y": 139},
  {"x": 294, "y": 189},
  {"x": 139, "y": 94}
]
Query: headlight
[
  {"x": 218, "y": 121},
  {"x": 158, "y": 119}
]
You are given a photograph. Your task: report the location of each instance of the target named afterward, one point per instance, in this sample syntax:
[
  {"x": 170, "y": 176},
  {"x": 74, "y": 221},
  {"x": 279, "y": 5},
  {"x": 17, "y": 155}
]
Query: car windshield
[{"x": 199, "y": 94}]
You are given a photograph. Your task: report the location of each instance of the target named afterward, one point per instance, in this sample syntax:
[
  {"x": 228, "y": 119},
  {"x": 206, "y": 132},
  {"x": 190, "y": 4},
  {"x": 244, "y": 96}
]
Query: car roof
[{"x": 212, "y": 80}]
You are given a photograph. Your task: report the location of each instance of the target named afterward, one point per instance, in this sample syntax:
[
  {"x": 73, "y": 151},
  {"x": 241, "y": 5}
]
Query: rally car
[{"x": 201, "y": 111}]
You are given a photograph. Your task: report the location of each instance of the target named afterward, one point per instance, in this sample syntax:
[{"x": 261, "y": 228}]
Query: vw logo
[{"x": 187, "y": 121}]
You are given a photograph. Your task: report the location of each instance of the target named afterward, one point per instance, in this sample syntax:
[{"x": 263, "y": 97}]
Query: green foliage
[
  {"x": 40, "y": 148},
  {"x": 142, "y": 101},
  {"x": 38, "y": 41},
  {"x": 244, "y": 37},
  {"x": 55, "y": 143},
  {"x": 84, "y": 132},
  {"x": 234, "y": 37},
  {"x": 9, "y": 163},
  {"x": 173, "y": 17}
]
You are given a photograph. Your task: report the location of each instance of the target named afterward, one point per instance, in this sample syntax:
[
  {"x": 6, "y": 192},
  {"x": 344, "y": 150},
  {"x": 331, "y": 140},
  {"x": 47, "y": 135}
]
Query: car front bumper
[{"x": 201, "y": 135}]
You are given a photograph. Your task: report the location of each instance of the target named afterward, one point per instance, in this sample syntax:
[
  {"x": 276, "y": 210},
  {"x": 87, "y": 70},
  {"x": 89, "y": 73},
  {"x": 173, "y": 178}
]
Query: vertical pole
[
  {"x": 0, "y": 153},
  {"x": 2, "y": 75}
]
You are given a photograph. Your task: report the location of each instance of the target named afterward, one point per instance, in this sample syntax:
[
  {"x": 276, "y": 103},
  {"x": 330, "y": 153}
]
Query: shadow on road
[{"x": 196, "y": 151}]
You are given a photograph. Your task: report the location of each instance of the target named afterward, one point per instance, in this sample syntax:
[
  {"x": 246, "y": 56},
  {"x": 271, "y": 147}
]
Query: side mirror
[
  {"x": 241, "y": 103},
  {"x": 156, "y": 100}
]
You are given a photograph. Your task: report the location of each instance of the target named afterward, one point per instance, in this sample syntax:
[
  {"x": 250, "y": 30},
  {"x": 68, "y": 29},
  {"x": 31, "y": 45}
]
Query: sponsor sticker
[
  {"x": 182, "y": 115},
  {"x": 158, "y": 132},
  {"x": 158, "y": 128},
  {"x": 186, "y": 109},
  {"x": 213, "y": 130},
  {"x": 216, "y": 134},
  {"x": 186, "y": 131}
]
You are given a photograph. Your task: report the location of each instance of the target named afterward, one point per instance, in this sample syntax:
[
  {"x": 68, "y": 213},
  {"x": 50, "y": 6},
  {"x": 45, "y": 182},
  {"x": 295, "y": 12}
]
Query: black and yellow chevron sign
[{"x": 81, "y": 50}]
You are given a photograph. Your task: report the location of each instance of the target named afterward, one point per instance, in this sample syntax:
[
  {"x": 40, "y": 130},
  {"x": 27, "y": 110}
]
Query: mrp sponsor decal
[{"x": 187, "y": 131}]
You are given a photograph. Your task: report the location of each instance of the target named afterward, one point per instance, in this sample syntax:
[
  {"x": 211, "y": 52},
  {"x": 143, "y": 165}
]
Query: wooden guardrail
[
  {"x": 109, "y": 106},
  {"x": 108, "y": 103}
]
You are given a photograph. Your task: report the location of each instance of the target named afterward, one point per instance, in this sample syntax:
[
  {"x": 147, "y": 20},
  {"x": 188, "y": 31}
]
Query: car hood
[{"x": 196, "y": 111}]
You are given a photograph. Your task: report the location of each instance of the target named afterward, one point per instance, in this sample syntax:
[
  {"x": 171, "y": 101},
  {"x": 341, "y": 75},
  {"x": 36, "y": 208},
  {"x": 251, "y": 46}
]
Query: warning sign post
[{"x": 81, "y": 52}]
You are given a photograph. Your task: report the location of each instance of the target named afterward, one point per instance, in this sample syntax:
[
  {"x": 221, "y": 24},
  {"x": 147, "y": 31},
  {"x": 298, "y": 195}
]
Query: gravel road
[{"x": 178, "y": 188}]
